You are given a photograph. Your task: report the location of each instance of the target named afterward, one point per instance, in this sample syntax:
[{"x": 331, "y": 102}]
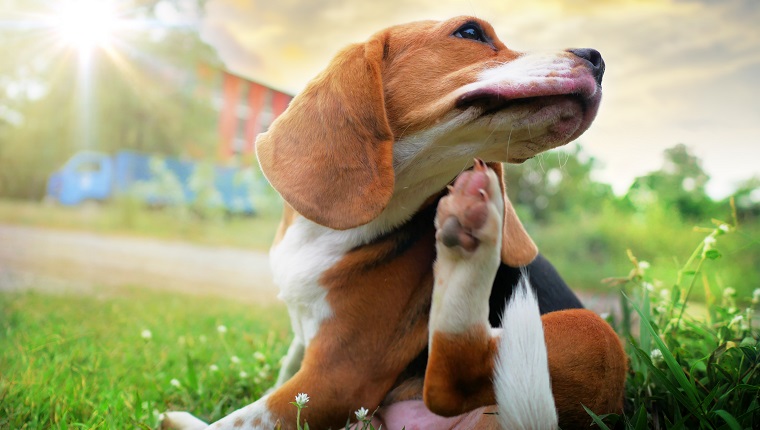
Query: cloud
[{"x": 677, "y": 71}]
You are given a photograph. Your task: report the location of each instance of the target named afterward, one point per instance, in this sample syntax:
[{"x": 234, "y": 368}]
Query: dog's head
[{"x": 410, "y": 108}]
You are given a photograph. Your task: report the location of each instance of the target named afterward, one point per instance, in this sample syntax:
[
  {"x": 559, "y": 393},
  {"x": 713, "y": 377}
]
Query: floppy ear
[
  {"x": 330, "y": 153},
  {"x": 517, "y": 248}
]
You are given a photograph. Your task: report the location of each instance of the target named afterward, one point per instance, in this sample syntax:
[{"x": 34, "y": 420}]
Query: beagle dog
[{"x": 396, "y": 290}]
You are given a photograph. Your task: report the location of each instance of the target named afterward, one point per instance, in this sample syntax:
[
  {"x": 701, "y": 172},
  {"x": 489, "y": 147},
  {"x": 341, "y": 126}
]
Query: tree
[
  {"x": 678, "y": 185},
  {"x": 143, "y": 94},
  {"x": 557, "y": 182},
  {"x": 747, "y": 199}
]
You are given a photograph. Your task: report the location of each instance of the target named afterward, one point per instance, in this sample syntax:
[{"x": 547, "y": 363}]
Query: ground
[{"x": 75, "y": 261}]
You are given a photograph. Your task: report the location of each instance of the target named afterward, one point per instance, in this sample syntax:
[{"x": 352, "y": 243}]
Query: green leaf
[
  {"x": 693, "y": 404},
  {"x": 729, "y": 419},
  {"x": 192, "y": 377},
  {"x": 641, "y": 419},
  {"x": 138, "y": 405},
  {"x": 661, "y": 378},
  {"x": 644, "y": 337},
  {"x": 713, "y": 254},
  {"x": 598, "y": 421}
]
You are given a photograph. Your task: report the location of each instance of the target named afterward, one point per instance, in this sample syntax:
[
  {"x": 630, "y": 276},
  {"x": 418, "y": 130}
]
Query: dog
[{"x": 395, "y": 274}]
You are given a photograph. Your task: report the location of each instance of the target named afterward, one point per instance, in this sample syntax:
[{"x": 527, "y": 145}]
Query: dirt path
[
  {"x": 67, "y": 261},
  {"x": 56, "y": 260}
]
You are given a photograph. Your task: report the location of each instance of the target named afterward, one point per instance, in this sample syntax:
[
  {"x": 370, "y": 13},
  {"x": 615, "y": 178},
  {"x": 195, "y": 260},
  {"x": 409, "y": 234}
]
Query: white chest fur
[{"x": 305, "y": 252}]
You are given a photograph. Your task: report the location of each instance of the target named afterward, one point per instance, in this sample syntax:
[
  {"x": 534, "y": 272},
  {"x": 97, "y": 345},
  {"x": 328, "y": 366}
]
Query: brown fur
[
  {"x": 380, "y": 294},
  {"x": 333, "y": 165},
  {"x": 587, "y": 366},
  {"x": 459, "y": 372}
]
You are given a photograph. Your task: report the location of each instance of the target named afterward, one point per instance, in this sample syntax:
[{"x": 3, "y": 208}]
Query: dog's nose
[{"x": 594, "y": 59}]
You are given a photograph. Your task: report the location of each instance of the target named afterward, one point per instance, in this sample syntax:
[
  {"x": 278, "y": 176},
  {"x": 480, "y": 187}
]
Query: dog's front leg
[
  {"x": 466, "y": 353},
  {"x": 468, "y": 244}
]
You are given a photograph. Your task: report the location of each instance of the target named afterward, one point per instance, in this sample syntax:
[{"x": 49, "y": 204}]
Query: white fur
[
  {"x": 424, "y": 163},
  {"x": 521, "y": 380},
  {"x": 256, "y": 410},
  {"x": 463, "y": 279},
  {"x": 426, "y": 159},
  {"x": 526, "y": 71},
  {"x": 181, "y": 420}
]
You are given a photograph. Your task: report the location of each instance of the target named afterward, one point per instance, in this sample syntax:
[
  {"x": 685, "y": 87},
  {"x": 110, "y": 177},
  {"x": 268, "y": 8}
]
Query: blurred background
[
  {"x": 137, "y": 120},
  {"x": 135, "y": 223}
]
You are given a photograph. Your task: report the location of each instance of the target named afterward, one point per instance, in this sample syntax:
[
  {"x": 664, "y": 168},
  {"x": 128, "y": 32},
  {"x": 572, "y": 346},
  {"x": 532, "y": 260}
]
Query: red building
[{"x": 246, "y": 108}]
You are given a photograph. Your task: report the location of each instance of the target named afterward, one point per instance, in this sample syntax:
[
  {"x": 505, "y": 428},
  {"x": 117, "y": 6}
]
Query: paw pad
[{"x": 465, "y": 209}]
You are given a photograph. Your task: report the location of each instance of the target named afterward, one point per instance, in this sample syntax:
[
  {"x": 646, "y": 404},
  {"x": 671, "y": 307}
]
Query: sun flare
[{"x": 86, "y": 24}]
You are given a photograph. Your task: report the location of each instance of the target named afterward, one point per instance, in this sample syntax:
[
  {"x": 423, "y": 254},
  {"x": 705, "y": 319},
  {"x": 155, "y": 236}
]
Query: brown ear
[
  {"x": 517, "y": 248},
  {"x": 330, "y": 154}
]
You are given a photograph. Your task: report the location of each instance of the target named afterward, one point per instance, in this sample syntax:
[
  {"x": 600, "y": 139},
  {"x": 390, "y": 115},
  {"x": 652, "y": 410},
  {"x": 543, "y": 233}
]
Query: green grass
[
  {"x": 130, "y": 218},
  {"x": 70, "y": 361},
  {"x": 686, "y": 372}
]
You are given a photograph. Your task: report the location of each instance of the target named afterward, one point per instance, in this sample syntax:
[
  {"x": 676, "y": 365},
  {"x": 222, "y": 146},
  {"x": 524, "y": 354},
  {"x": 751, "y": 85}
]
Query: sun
[{"x": 86, "y": 24}]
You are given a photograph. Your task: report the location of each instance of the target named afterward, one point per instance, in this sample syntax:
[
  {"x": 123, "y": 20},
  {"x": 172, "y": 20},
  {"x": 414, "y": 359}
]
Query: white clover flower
[
  {"x": 729, "y": 292},
  {"x": 756, "y": 296},
  {"x": 259, "y": 356},
  {"x": 235, "y": 359},
  {"x": 213, "y": 368},
  {"x": 146, "y": 334},
  {"x": 643, "y": 265},
  {"x": 648, "y": 286},
  {"x": 361, "y": 413},
  {"x": 604, "y": 315},
  {"x": 243, "y": 374},
  {"x": 709, "y": 241},
  {"x": 656, "y": 356},
  {"x": 736, "y": 320},
  {"x": 724, "y": 228},
  {"x": 665, "y": 294},
  {"x": 175, "y": 383},
  {"x": 263, "y": 374},
  {"x": 661, "y": 309},
  {"x": 222, "y": 329},
  {"x": 302, "y": 399}
]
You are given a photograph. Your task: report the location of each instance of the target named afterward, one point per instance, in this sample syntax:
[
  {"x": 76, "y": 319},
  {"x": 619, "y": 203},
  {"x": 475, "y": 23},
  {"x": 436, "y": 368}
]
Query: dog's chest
[{"x": 298, "y": 262}]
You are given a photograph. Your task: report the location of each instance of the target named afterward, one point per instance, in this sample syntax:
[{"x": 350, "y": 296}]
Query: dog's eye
[{"x": 470, "y": 31}]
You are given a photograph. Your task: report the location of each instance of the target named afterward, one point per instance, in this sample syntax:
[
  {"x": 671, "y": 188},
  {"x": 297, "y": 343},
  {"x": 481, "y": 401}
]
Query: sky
[{"x": 677, "y": 71}]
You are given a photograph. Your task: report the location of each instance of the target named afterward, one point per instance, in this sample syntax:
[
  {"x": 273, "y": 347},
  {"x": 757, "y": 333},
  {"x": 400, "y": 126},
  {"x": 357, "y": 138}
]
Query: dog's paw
[
  {"x": 180, "y": 421},
  {"x": 471, "y": 215}
]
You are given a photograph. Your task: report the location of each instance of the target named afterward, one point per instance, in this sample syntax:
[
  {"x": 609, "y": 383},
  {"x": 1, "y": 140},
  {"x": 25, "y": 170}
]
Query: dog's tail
[{"x": 521, "y": 377}]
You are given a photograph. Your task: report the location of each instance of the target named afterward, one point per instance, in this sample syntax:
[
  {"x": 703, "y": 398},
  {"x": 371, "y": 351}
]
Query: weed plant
[{"x": 689, "y": 369}]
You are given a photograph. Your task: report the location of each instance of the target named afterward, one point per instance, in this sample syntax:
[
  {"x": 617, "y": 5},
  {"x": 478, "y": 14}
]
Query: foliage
[
  {"x": 689, "y": 370},
  {"x": 133, "y": 353},
  {"x": 116, "y": 358},
  {"x": 556, "y": 183},
  {"x": 584, "y": 229},
  {"x": 679, "y": 185}
]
